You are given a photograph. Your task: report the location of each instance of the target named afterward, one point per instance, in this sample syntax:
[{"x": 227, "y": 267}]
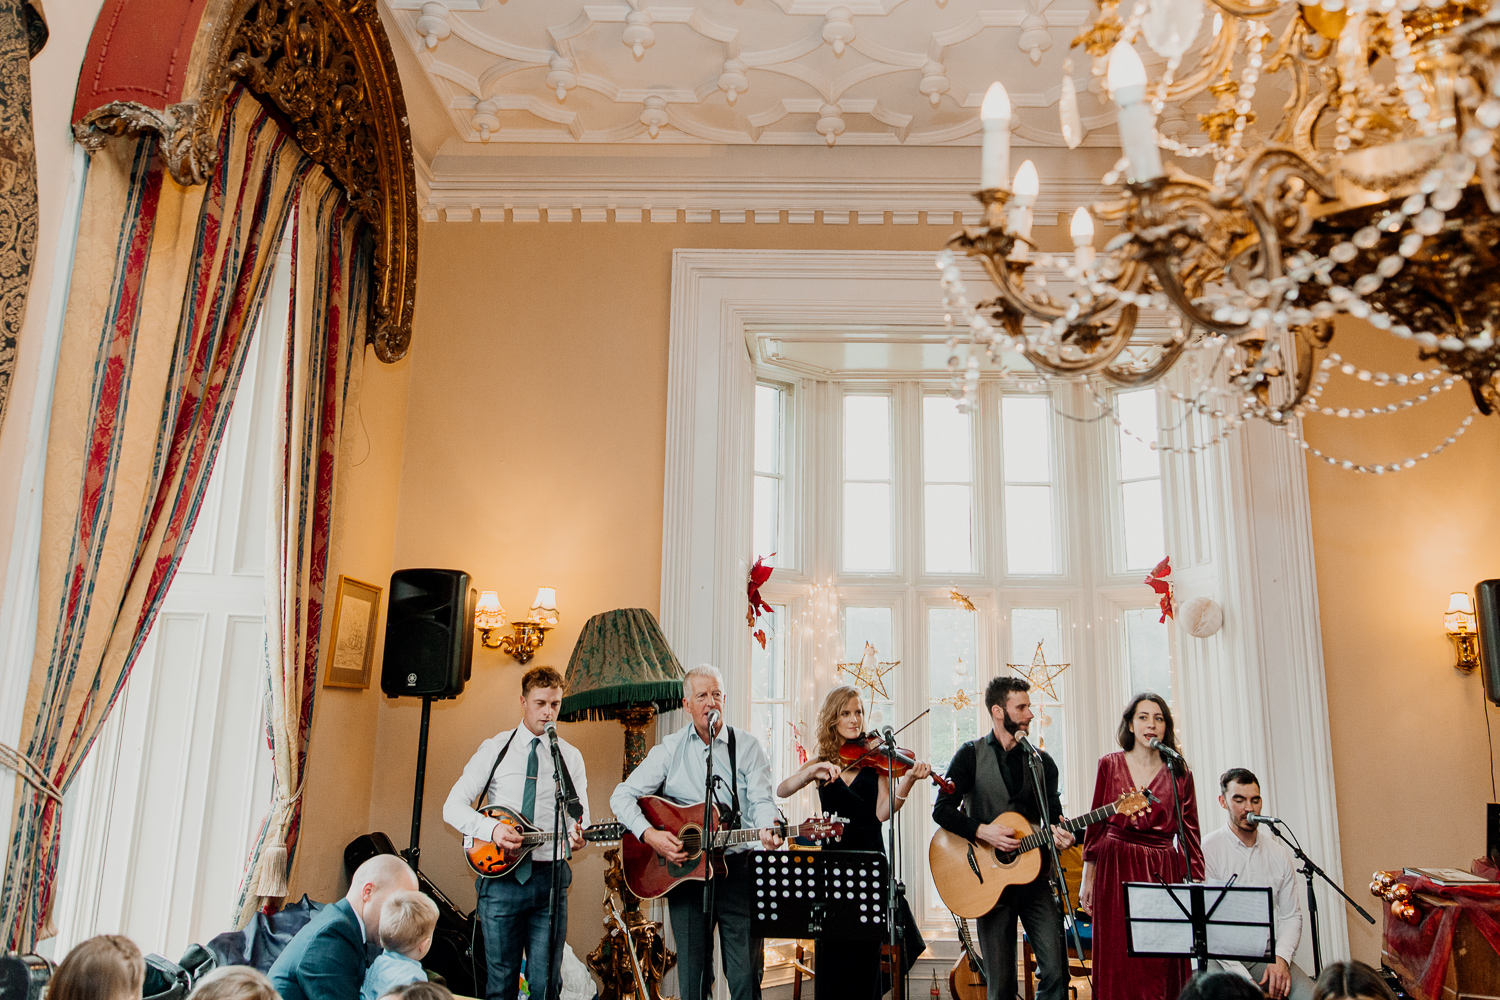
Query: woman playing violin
[{"x": 861, "y": 794}]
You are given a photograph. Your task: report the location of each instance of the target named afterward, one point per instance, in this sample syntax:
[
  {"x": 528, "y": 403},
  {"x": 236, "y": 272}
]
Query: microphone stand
[
  {"x": 1171, "y": 765},
  {"x": 709, "y": 885},
  {"x": 1039, "y": 780},
  {"x": 1308, "y": 870},
  {"x": 895, "y": 888},
  {"x": 560, "y": 842}
]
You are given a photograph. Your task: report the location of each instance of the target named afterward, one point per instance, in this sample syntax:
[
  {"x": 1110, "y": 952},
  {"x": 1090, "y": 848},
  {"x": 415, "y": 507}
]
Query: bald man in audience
[{"x": 327, "y": 958}]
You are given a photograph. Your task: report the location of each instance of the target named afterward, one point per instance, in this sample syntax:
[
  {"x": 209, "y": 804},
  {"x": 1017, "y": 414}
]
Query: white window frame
[{"x": 1239, "y": 516}]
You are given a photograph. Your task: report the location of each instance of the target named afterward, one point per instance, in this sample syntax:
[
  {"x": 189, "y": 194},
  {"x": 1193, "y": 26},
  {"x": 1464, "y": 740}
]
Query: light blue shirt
[
  {"x": 677, "y": 766},
  {"x": 390, "y": 970}
]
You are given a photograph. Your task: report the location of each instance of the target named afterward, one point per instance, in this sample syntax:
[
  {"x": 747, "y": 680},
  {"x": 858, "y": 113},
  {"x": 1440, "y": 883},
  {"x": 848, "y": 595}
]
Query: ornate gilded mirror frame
[{"x": 326, "y": 65}]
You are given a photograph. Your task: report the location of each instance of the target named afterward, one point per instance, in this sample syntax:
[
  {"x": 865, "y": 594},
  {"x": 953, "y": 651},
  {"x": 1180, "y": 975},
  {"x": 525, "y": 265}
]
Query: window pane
[
  {"x": 872, "y": 625},
  {"x": 1049, "y": 731},
  {"x": 1026, "y": 438},
  {"x": 768, "y": 721},
  {"x": 946, "y": 434},
  {"x": 867, "y": 437},
  {"x": 767, "y": 497},
  {"x": 950, "y": 639},
  {"x": 1029, "y": 626},
  {"x": 1028, "y": 530},
  {"x": 1145, "y": 541},
  {"x": 948, "y": 529},
  {"x": 768, "y": 666},
  {"x": 767, "y": 429},
  {"x": 1146, "y": 652},
  {"x": 1137, "y": 412},
  {"x": 867, "y": 527}
]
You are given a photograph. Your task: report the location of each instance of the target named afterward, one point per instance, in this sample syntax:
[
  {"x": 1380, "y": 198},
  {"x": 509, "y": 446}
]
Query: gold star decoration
[
  {"x": 1040, "y": 673},
  {"x": 959, "y": 700},
  {"x": 869, "y": 672},
  {"x": 962, "y": 600}
]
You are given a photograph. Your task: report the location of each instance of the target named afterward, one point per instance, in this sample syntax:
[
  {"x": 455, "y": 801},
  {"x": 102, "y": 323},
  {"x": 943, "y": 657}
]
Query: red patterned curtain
[{"x": 166, "y": 285}]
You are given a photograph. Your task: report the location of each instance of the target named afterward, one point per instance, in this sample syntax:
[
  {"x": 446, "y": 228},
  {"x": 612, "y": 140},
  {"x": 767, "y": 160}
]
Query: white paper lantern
[{"x": 1201, "y": 617}]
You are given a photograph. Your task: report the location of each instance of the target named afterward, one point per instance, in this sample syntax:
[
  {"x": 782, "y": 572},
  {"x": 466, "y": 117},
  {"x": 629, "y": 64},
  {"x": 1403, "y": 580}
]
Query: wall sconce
[
  {"x": 526, "y": 636},
  {"x": 1459, "y": 624}
]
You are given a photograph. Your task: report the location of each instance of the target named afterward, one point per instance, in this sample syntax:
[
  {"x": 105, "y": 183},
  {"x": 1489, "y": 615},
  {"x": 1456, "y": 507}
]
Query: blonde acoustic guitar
[{"x": 971, "y": 876}]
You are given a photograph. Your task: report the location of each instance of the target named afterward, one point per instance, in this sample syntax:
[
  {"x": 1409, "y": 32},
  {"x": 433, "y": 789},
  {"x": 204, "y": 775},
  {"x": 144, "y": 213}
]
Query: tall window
[{"x": 938, "y": 550}]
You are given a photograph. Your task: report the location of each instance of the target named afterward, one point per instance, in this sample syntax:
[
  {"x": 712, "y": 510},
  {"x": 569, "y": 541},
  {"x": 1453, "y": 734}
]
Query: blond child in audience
[
  {"x": 107, "y": 967},
  {"x": 419, "y": 991},
  {"x": 407, "y": 920},
  {"x": 235, "y": 982}
]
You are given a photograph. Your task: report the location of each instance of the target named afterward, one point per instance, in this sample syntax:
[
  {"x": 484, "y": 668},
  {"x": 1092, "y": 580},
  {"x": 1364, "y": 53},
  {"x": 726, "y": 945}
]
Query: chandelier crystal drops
[{"x": 1376, "y": 195}]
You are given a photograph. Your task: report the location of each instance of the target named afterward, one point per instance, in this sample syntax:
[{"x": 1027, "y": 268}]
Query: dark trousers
[
  {"x": 513, "y": 916},
  {"x": 1040, "y": 915},
  {"x": 744, "y": 962}
]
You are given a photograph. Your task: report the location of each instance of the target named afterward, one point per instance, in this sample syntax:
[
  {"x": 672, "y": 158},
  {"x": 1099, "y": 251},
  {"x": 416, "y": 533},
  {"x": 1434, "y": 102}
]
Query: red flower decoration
[
  {"x": 1157, "y": 581},
  {"x": 759, "y": 574}
]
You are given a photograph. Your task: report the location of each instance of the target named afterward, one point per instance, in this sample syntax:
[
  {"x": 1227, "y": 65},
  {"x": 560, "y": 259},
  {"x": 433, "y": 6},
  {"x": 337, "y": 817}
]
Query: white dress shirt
[
  {"x": 1268, "y": 863},
  {"x": 679, "y": 763},
  {"x": 509, "y": 785}
]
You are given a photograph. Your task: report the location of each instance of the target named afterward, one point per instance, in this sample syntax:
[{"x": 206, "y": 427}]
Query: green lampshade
[{"x": 621, "y": 659}]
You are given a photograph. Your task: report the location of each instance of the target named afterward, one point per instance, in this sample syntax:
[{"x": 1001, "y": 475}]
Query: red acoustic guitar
[{"x": 650, "y": 875}]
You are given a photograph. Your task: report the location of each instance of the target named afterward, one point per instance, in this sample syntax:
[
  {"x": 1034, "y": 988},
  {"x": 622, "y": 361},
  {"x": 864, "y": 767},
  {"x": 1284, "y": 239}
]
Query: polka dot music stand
[{"x": 802, "y": 893}]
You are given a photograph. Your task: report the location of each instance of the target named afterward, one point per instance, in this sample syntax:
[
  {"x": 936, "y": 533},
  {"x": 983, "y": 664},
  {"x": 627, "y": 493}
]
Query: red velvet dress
[{"x": 1137, "y": 849}]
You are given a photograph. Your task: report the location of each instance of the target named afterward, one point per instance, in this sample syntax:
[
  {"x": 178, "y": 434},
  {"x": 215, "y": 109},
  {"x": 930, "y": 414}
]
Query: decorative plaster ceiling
[{"x": 768, "y": 72}]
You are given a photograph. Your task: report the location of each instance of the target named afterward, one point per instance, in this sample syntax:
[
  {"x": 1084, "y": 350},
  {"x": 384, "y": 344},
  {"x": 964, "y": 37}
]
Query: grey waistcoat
[{"x": 989, "y": 797}]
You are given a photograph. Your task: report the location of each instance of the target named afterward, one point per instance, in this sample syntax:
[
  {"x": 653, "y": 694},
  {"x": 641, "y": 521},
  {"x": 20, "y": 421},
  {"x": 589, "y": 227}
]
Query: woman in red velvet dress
[{"x": 1138, "y": 849}]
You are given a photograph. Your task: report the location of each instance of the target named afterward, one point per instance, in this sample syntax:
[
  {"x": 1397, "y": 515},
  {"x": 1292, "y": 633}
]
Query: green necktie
[{"x": 528, "y": 807}]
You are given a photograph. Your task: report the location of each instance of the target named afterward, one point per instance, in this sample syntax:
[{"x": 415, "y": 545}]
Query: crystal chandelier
[{"x": 1376, "y": 194}]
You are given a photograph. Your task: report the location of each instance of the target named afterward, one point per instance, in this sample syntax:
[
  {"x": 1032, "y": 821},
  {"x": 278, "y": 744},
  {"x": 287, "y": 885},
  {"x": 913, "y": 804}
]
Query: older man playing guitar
[{"x": 675, "y": 769}]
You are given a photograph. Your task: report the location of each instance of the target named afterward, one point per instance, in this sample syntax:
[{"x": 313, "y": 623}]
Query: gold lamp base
[
  {"x": 525, "y": 638},
  {"x": 1466, "y": 650}
]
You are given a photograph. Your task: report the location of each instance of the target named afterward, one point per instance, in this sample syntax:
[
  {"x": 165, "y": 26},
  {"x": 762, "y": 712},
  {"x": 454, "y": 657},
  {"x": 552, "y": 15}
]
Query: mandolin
[
  {"x": 967, "y": 981},
  {"x": 491, "y": 861},
  {"x": 970, "y": 876},
  {"x": 650, "y": 875}
]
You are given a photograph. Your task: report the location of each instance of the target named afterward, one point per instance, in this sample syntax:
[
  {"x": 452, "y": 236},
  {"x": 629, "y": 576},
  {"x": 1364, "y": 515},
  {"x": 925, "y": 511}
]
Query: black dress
[{"x": 851, "y": 969}]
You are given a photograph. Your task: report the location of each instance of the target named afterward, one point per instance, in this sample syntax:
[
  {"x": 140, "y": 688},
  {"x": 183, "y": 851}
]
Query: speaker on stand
[{"x": 1487, "y": 616}]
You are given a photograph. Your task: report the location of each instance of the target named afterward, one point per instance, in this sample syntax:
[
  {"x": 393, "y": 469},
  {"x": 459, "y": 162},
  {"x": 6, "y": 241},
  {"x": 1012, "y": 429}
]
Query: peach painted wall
[{"x": 1410, "y": 738}]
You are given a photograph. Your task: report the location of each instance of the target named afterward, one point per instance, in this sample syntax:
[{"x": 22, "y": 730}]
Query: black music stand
[
  {"x": 811, "y": 894},
  {"x": 1199, "y": 921}
]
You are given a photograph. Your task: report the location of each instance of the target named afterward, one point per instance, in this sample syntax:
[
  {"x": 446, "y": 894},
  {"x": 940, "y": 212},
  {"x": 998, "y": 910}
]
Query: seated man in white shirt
[{"x": 1253, "y": 853}]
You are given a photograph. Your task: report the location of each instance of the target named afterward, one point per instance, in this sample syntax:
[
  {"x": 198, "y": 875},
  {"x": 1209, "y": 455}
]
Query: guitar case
[{"x": 457, "y": 953}]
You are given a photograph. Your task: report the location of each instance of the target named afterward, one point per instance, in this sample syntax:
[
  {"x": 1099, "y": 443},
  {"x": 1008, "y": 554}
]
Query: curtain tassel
[{"x": 272, "y": 880}]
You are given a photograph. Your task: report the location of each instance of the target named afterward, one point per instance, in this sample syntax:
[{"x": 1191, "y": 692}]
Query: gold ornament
[
  {"x": 962, "y": 600},
  {"x": 869, "y": 672},
  {"x": 959, "y": 700},
  {"x": 1041, "y": 674}
]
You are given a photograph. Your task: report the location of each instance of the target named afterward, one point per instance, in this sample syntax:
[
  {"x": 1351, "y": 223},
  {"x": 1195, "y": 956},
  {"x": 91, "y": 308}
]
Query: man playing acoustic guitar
[
  {"x": 514, "y": 768},
  {"x": 675, "y": 769},
  {"x": 991, "y": 775}
]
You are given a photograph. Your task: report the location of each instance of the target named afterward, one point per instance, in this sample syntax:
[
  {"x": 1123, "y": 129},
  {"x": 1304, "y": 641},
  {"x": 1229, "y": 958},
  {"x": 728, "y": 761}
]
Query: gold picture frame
[{"x": 351, "y": 645}]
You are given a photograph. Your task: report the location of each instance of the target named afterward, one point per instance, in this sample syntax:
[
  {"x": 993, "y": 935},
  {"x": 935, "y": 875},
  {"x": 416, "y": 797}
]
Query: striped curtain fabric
[
  {"x": 166, "y": 285},
  {"x": 332, "y": 256}
]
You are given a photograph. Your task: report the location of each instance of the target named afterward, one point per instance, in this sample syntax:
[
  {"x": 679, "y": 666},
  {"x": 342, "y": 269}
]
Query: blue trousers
[{"x": 513, "y": 917}]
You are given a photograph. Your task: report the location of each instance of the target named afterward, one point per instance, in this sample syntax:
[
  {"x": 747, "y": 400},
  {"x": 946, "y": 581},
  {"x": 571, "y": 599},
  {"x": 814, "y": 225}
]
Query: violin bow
[{"x": 868, "y": 753}]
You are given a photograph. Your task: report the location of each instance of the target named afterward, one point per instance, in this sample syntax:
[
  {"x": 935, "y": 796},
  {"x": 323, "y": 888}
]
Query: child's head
[
  {"x": 420, "y": 990},
  {"x": 407, "y": 920},
  {"x": 107, "y": 967},
  {"x": 235, "y": 982},
  {"x": 1351, "y": 981}
]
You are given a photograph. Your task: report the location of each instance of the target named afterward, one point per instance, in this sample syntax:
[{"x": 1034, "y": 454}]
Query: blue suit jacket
[{"x": 326, "y": 960}]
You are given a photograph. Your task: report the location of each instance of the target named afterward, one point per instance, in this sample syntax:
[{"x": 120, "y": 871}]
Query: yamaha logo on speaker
[{"x": 411, "y": 680}]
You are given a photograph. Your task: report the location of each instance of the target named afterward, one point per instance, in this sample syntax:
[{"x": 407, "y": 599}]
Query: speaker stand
[{"x": 413, "y": 853}]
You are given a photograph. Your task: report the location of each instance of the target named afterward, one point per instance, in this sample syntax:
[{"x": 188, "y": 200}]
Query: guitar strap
[
  {"x": 485, "y": 790},
  {"x": 734, "y": 777}
]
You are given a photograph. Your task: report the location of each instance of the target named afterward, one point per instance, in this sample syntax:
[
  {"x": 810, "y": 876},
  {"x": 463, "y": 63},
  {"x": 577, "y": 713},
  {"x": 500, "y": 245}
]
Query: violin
[{"x": 869, "y": 750}]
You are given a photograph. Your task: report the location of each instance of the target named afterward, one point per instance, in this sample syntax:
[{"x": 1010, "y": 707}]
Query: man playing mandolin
[
  {"x": 675, "y": 769},
  {"x": 991, "y": 775},
  {"x": 514, "y": 769}
]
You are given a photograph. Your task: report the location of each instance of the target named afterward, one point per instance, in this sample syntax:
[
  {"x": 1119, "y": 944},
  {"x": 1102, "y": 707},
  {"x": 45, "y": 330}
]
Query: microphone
[
  {"x": 887, "y": 735},
  {"x": 713, "y": 719},
  {"x": 1023, "y": 742},
  {"x": 1267, "y": 820},
  {"x": 1163, "y": 749},
  {"x": 551, "y": 730}
]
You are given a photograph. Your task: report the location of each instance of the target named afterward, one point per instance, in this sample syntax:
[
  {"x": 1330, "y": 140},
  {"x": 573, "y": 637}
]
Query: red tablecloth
[{"x": 1426, "y": 947}]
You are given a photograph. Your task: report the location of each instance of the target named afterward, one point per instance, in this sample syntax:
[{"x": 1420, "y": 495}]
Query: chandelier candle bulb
[
  {"x": 994, "y": 157},
  {"x": 1126, "y": 77},
  {"x": 1026, "y": 187},
  {"x": 1082, "y": 231}
]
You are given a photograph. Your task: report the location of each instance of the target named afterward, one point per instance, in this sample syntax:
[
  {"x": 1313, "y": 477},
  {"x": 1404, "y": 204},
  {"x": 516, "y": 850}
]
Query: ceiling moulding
[
  {"x": 456, "y": 198},
  {"x": 765, "y": 72}
]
